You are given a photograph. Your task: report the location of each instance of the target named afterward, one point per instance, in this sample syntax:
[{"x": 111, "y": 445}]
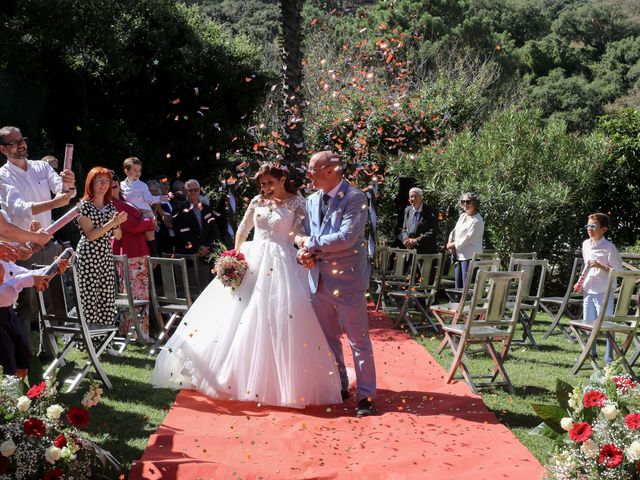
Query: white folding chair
[
  {"x": 170, "y": 295},
  {"x": 557, "y": 307},
  {"x": 487, "y": 255},
  {"x": 456, "y": 311},
  {"x": 622, "y": 322},
  {"x": 535, "y": 273},
  {"x": 521, "y": 256},
  {"x": 193, "y": 271},
  {"x": 490, "y": 320},
  {"x": 378, "y": 270},
  {"x": 126, "y": 305},
  {"x": 421, "y": 293},
  {"x": 398, "y": 265},
  {"x": 74, "y": 329}
]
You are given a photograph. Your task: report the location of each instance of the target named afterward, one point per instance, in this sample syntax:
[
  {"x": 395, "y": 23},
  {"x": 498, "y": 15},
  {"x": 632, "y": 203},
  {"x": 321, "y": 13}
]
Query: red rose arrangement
[
  {"x": 230, "y": 268},
  {"x": 41, "y": 439},
  {"x": 602, "y": 421}
]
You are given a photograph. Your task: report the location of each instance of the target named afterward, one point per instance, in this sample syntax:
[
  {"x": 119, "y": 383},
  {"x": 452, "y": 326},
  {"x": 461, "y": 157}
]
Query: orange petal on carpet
[{"x": 424, "y": 429}]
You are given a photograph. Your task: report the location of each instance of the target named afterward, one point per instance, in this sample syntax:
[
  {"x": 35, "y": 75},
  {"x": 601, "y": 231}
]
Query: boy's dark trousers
[{"x": 14, "y": 349}]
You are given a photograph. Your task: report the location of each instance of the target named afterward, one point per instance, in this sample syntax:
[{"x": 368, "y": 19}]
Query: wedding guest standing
[
  {"x": 134, "y": 245},
  {"x": 26, "y": 187},
  {"x": 420, "y": 225},
  {"x": 98, "y": 221},
  {"x": 466, "y": 237}
]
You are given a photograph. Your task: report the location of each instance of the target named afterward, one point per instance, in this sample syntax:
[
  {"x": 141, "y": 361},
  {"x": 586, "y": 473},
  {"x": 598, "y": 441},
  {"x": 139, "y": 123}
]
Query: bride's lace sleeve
[
  {"x": 247, "y": 222},
  {"x": 299, "y": 205}
]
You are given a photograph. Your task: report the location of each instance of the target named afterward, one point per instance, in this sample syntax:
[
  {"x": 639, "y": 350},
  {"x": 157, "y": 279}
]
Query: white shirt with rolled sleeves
[
  {"x": 605, "y": 253},
  {"x": 467, "y": 235},
  {"x": 20, "y": 189},
  {"x": 138, "y": 194},
  {"x": 15, "y": 279}
]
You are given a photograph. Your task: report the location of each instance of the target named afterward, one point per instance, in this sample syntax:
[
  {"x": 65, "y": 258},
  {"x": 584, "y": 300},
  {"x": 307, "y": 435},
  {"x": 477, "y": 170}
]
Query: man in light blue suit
[{"x": 335, "y": 253}]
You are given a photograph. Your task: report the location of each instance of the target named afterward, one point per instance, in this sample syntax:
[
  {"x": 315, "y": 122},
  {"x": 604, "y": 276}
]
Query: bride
[{"x": 262, "y": 341}]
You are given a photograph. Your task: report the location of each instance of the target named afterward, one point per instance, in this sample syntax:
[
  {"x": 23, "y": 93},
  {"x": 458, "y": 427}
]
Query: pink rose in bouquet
[{"x": 230, "y": 268}]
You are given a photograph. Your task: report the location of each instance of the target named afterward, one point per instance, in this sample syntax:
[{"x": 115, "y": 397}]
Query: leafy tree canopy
[{"x": 154, "y": 79}]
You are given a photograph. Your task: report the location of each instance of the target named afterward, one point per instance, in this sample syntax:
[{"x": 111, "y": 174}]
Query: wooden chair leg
[
  {"x": 403, "y": 311},
  {"x": 586, "y": 351},
  {"x": 497, "y": 361},
  {"x": 164, "y": 333},
  {"x": 621, "y": 354},
  {"x": 457, "y": 346},
  {"x": 425, "y": 313}
]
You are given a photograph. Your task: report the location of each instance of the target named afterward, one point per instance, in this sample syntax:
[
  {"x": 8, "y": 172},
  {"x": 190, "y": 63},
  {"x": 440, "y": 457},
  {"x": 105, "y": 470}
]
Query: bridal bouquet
[
  {"x": 596, "y": 429},
  {"x": 41, "y": 439},
  {"x": 230, "y": 268}
]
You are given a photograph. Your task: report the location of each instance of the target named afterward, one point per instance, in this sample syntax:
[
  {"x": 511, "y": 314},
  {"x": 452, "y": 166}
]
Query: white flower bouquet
[
  {"x": 596, "y": 428},
  {"x": 40, "y": 438}
]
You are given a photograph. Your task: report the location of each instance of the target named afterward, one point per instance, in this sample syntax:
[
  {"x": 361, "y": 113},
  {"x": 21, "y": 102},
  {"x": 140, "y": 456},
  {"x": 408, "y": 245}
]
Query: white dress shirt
[
  {"x": 20, "y": 189},
  {"x": 137, "y": 194},
  {"x": 334, "y": 191},
  {"x": 605, "y": 253},
  {"x": 15, "y": 279},
  {"x": 467, "y": 235}
]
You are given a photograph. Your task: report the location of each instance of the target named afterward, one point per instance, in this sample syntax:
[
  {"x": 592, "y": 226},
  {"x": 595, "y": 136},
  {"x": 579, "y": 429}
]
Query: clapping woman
[
  {"x": 98, "y": 221},
  {"x": 466, "y": 237}
]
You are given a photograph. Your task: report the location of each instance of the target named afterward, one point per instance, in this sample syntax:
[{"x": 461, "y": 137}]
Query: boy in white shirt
[
  {"x": 600, "y": 257},
  {"x": 15, "y": 352},
  {"x": 137, "y": 193}
]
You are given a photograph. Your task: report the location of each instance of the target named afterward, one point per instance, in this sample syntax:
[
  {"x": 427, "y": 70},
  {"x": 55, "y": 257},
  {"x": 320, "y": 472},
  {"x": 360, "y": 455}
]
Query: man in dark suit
[
  {"x": 196, "y": 231},
  {"x": 420, "y": 225}
]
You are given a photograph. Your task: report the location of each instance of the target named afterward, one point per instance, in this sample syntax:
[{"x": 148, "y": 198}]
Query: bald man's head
[{"x": 325, "y": 170}]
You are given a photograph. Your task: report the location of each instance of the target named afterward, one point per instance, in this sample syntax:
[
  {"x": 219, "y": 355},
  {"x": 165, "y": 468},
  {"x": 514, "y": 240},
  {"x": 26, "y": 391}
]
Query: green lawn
[
  {"x": 533, "y": 374},
  {"x": 129, "y": 413},
  {"x": 132, "y": 411}
]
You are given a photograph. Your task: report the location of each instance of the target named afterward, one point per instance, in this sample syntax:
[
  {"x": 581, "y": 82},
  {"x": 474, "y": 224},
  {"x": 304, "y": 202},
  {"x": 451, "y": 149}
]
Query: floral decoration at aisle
[
  {"x": 41, "y": 439},
  {"x": 596, "y": 428}
]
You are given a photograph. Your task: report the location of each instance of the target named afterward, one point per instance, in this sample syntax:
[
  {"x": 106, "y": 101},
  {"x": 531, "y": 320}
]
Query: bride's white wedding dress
[{"x": 262, "y": 341}]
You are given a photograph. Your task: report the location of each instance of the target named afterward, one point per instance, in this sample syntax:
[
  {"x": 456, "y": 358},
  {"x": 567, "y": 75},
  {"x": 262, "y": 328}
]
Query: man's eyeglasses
[
  {"x": 193, "y": 189},
  {"x": 315, "y": 169},
  {"x": 15, "y": 143},
  {"x": 591, "y": 226},
  {"x": 466, "y": 202}
]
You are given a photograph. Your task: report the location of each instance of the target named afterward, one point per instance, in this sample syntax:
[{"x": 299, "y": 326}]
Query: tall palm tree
[{"x": 292, "y": 66}]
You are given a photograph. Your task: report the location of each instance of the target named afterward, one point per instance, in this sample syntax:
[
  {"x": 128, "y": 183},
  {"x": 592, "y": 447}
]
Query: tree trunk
[{"x": 292, "y": 88}]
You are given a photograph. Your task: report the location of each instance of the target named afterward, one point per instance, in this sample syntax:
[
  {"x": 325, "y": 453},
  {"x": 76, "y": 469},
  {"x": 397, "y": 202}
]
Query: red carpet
[{"x": 425, "y": 429}]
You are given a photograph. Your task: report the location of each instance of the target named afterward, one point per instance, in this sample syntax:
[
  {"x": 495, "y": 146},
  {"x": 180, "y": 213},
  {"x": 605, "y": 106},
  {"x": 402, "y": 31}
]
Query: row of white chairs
[
  {"x": 413, "y": 280},
  {"x": 64, "y": 320}
]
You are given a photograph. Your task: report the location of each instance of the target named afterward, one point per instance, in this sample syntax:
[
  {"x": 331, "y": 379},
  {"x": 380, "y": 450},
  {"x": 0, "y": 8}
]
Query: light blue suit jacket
[{"x": 338, "y": 242}]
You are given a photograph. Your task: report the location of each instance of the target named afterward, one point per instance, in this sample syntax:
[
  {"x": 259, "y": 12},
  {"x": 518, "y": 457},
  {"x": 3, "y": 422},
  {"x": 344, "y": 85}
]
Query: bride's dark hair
[{"x": 276, "y": 171}]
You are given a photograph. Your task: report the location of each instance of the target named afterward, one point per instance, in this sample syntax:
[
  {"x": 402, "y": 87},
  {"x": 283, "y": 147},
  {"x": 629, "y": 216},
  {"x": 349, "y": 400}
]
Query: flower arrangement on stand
[
  {"x": 596, "y": 428},
  {"x": 230, "y": 268},
  {"x": 41, "y": 439}
]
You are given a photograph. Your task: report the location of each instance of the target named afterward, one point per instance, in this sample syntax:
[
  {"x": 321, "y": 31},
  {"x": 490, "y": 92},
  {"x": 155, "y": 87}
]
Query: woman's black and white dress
[{"x": 96, "y": 268}]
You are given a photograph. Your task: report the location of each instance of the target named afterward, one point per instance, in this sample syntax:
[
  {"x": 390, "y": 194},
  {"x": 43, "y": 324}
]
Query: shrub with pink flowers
[
  {"x": 596, "y": 428},
  {"x": 40, "y": 438}
]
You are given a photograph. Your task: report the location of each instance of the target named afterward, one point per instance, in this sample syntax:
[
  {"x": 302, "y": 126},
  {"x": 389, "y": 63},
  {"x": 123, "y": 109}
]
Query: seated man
[{"x": 420, "y": 225}]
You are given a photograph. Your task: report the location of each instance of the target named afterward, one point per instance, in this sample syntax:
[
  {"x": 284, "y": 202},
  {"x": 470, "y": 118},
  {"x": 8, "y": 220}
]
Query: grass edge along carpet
[{"x": 424, "y": 429}]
